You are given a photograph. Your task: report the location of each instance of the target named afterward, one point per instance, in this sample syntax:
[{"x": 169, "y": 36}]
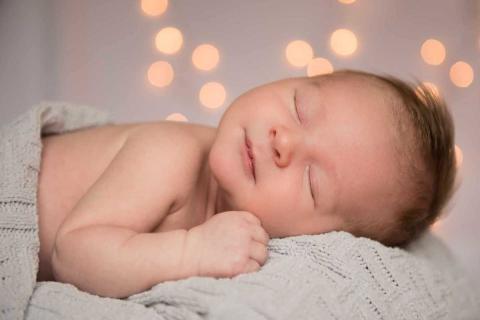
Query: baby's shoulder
[
  {"x": 179, "y": 148},
  {"x": 173, "y": 139}
]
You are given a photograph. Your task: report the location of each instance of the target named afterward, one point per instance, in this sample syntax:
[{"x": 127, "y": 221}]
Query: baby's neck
[{"x": 213, "y": 197}]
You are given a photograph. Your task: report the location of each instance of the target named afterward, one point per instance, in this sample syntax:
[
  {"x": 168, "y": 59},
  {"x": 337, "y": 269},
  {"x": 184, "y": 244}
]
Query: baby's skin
[{"x": 124, "y": 207}]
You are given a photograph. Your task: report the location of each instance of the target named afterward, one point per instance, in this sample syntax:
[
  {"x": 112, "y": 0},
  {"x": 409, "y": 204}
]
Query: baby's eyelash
[
  {"x": 310, "y": 184},
  {"x": 296, "y": 107}
]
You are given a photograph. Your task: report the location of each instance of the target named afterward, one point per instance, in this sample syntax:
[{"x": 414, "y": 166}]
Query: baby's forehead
[
  {"x": 356, "y": 87},
  {"x": 351, "y": 80},
  {"x": 336, "y": 82}
]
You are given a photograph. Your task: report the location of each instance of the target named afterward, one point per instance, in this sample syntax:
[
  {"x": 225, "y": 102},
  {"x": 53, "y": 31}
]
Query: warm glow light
[
  {"x": 461, "y": 74},
  {"x": 299, "y": 53},
  {"x": 458, "y": 157},
  {"x": 160, "y": 74},
  {"x": 176, "y": 117},
  {"x": 212, "y": 95},
  {"x": 346, "y": 1},
  {"x": 432, "y": 87},
  {"x": 343, "y": 42},
  {"x": 154, "y": 7},
  {"x": 319, "y": 66},
  {"x": 205, "y": 57},
  {"x": 169, "y": 40},
  {"x": 436, "y": 225},
  {"x": 433, "y": 52}
]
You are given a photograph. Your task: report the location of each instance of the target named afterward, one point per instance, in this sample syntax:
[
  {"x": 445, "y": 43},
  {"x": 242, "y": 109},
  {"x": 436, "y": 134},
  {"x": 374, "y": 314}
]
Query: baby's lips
[{"x": 250, "y": 154}]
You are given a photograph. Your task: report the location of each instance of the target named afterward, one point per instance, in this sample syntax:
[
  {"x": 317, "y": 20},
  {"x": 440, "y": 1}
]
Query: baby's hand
[{"x": 227, "y": 244}]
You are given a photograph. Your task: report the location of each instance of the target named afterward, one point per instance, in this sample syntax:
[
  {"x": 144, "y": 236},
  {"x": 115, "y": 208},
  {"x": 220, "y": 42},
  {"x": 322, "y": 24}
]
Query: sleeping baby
[{"x": 123, "y": 207}]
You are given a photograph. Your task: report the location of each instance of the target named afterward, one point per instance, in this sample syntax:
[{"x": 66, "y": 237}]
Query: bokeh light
[
  {"x": 433, "y": 52},
  {"x": 346, "y": 1},
  {"x": 319, "y": 66},
  {"x": 205, "y": 57},
  {"x": 343, "y": 42},
  {"x": 212, "y": 95},
  {"x": 176, "y": 117},
  {"x": 458, "y": 157},
  {"x": 154, "y": 7},
  {"x": 160, "y": 74},
  {"x": 461, "y": 74},
  {"x": 169, "y": 40},
  {"x": 299, "y": 53}
]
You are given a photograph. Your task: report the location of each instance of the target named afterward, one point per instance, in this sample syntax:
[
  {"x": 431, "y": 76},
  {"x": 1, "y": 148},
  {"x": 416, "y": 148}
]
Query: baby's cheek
[{"x": 274, "y": 218}]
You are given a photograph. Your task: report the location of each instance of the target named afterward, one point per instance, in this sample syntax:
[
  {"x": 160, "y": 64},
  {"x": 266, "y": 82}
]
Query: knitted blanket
[{"x": 329, "y": 276}]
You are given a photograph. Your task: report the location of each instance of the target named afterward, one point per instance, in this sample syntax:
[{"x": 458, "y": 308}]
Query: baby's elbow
[
  {"x": 59, "y": 270},
  {"x": 66, "y": 273},
  {"x": 65, "y": 259},
  {"x": 73, "y": 262}
]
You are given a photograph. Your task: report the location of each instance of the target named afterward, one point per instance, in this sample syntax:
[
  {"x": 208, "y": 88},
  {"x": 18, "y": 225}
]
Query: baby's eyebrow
[
  {"x": 316, "y": 111},
  {"x": 317, "y": 87},
  {"x": 318, "y": 83}
]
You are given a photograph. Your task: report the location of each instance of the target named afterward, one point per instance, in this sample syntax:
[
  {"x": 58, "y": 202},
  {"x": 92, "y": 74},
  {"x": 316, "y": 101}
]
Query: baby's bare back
[{"x": 74, "y": 162}]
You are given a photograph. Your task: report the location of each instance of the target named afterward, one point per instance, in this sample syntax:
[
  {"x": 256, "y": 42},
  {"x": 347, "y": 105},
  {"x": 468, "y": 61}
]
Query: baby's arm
[
  {"x": 122, "y": 263},
  {"x": 104, "y": 245},
  {"x": 117, "y": 262}
]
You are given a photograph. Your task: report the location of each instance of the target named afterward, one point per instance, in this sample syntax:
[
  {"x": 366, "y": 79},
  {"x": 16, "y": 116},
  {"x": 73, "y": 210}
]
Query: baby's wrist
[{"x": 189, "y": 262}]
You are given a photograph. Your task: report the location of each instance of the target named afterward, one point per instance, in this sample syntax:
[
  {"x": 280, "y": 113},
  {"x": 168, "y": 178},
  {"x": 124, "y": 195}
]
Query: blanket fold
[
  {"x": 329, "y": 276},
  {"x": 20, "y": 156}
]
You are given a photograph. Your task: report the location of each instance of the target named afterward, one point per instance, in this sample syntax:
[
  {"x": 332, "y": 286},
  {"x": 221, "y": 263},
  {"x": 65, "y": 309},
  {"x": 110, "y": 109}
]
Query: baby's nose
[{"x": 283, "y": 145}]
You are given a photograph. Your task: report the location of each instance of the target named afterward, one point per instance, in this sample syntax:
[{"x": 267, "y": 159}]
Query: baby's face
[{"x": 323, "y": 155}]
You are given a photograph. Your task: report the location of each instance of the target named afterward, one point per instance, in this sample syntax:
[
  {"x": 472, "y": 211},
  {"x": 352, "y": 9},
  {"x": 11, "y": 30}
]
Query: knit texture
[
  {"x": 20, "y": 156},
  {"x": 329, "y": 276}
]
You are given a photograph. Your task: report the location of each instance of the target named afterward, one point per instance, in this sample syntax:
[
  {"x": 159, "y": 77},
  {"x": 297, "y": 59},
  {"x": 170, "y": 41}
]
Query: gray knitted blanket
[{"x": 329, "y": 276}]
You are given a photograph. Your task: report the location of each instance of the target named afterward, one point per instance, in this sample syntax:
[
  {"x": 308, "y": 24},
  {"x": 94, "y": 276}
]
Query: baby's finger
[
  {"x": 258, "y": 252},
  {"x": 251, "y": 266},
  {"x": 250, "y": 217},
  {"x": 259, "y": 234}
]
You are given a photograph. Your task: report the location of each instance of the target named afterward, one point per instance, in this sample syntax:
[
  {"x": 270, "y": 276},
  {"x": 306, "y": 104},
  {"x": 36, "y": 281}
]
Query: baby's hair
[{"x": 425, "y": 141}]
